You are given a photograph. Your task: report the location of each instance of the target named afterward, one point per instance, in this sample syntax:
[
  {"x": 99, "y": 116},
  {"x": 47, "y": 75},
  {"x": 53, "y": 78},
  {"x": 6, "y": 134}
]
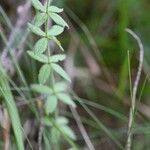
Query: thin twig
[{"x": 135, "y": 87}]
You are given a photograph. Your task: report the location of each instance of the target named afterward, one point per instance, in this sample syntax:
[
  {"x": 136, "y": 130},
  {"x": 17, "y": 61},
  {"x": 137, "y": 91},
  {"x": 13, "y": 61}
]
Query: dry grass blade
[{"x": 135, "y": 87}]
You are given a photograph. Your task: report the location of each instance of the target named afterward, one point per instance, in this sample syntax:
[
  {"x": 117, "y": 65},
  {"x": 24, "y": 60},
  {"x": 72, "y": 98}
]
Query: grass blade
[{"x": 12, "y": 109}]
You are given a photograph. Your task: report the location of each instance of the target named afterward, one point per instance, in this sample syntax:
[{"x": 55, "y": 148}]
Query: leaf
[
  {"x": 44, "y": 73},
  {"x": 39, "y": 57},
  {"x": 57, "y": 58},
  {"x": 61, "y": 121},
  {"x": 11, "y": 108},
  {"x": 45, "y": 59},
  {"x": 69, "y": 132},
  {"x": 36, "y": 30},
  {"x": 55, "y": 30},
  {"x": 40, "y": 46},
  {"x": 58, "y": 19},
  {"x": 51, "y": 104},
  {"x": 60, "y": 71},
  {"x": 60, "y": 87},
  {"x": 58, "y": 43},
  {"x": 66, "y": 99},
  {"x": 40, "y": 19},
  {"x": 46, "y": 144},
  {"x": 55, "y": 9},
  {"x": 55, "y": 135},
  {"x": 47, "y": 121},
  {"x": 41, "y": 89},
  {"x": 38, "y": 5}
]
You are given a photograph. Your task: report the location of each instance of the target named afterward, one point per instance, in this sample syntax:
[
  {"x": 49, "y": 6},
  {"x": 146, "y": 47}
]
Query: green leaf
[
  {"x": 69, "y": 132},
  {"x": 11, "y": 108},
  {"x": 57, "y": 58},
  {"x": 58, "y": 19},
  {"x": 40, "y": 46},
  {"x": 36, "y": 30},
  {"x": 40, "y": 19},
  {"x": 39, "y": 57},
  {"x": 51, "y": 104},
  {"x": 60, "y": 87},
  {"x": 55, "y": 9},
  {"x": 55, "y": 135},
  {"x": 44, "y": 73},
  {"x": 46, "y": 59},
  {"x": 61, "y": 121},
  {"x": 41, "y": 89},
  {"x": 58, "y": 43},
  {"x": 47, "y": 121},
  {"x": 66, "y": 99},
  {"x": 60, "y": 71},
  {"x": 55, "y": 30},
  {"x": 38, "y": 5},
  {"x": 46, "y": 144}
]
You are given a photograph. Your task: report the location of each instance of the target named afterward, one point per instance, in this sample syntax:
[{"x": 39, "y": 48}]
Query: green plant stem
[
  {"x": 52, "y": 82},
  {"x": 52, "y": 79}
]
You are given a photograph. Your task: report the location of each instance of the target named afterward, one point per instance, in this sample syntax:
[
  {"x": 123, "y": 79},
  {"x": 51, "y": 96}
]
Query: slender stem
[
  {"x": 135, "y": 87},
  {"x": 130, "y": 81},
  {"x": 46, "y": 30},
  {"x": 52, "y": 79}
]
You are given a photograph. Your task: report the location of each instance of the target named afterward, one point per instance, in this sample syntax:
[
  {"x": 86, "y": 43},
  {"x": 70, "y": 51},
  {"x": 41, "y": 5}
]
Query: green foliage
[
  {"x": 46, "y": 59},
  {"x": 40, "y": 46},
  {"x": 59, "y": 126},
  {"x": 58, "y": 43},
  {"x": 58, "y": 20},
  {"x": 66, "y": 99},
  {"x": 60, "y": 71},
  {"x": 55, "y": 30},
  {"x": 39, "y": 57},
  {"x": 40, "y": 18},
  {"x": 41, "y": 53},
  {"x": 12, "y": 109},
  {"x": 62, "y": 120},
  {"x": 43, "y": 89},
  {"x": 68, "y": 131},
  {"x": 36, "y": 30},
  {"x": 60, "y": 87},
  {"x": 51, "y": 104},
  {"x": 57, "y": 58},
  {"x": 105, "y": 93},
  {"x": 44, "y": 73},
  {"x": 37, "y": 5},
  {"x": 54, "y": 9}
]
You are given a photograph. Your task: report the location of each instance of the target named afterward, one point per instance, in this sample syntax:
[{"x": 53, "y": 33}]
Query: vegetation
[{"x": 74, "y": 74}]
